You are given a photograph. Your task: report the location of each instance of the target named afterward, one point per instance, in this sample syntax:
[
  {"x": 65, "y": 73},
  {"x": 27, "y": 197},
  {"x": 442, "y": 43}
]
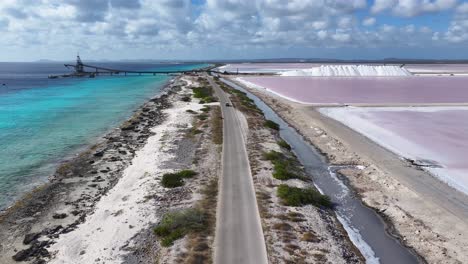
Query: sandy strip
[{"x": 124, "y": 211}]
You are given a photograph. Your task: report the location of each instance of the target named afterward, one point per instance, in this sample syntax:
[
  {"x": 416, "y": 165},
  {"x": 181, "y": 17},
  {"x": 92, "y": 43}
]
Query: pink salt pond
[
  {"x": 266, "y": 67},
  {"x": 433, "y": 136},
  {"x": 366, "y": 90}
]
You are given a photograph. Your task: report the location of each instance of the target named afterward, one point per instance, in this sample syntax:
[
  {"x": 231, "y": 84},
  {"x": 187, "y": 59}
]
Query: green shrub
[
  {"x": 245, "y": 100},
  {"x": 175, "y": 225},
  {"x": 271, "y": 124},
  {"x": 172, "y": 180},
  {"x": 202, "y": 92},
  {"x": 202, "y": 116},
  {"x": 205, "y": 94},
  {"x": 284, "y": 144},
  {"x": 293, "y": 196},
  {"x": 210, "y": 99},
  {"x": 273, "y": 155},
  {"x": 187, "y": 173},
  {"x": 190, "y": 111},
  {"x": 205, "y": 109},
  {"x": 195, "y": 131},
  {"x": 284, "y": 168}
]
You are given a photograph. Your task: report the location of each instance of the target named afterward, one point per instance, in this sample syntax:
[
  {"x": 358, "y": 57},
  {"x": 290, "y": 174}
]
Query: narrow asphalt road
[{"x": 239, "y": 236}]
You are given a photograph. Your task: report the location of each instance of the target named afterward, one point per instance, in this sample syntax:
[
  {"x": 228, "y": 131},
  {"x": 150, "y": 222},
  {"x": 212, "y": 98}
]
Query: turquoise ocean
[{"x": 44, "y": 121}]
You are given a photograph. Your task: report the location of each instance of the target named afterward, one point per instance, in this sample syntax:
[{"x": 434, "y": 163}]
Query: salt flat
[
  {"x": 438, "y": 68},
  {"x": 429, "y": 135},
  {"x": 364, "y": 90},
  {"x": 265, "y": 67}
]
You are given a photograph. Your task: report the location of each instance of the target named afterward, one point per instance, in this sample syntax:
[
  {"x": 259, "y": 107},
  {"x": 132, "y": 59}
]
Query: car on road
[{"x": 228, "y": 104}]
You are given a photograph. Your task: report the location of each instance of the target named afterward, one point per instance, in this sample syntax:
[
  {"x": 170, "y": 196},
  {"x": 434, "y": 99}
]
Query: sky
[{"x": 232, "y": 29}]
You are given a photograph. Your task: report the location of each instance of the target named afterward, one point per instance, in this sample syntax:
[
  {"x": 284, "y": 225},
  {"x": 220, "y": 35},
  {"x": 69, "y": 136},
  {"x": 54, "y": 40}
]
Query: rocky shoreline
[{"x": 63, "y": 203}]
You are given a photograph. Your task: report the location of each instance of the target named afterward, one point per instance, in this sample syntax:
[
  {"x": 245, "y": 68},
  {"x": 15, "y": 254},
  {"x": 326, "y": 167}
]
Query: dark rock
[
  {"x": 37, "y": 249},
  {"x": 126, "y": 128},
  {"x": 52, "y": 230},
  {"x": 115, "y": 159},
  {"x": 28, "y": 238},
  {"x": 22, "y": 255},
  {"x": 98, "y": 179},
  {"x": 99, "y": 153},
  {"x": 75, "y": 212},
  {"x": 59, "y": 216}
]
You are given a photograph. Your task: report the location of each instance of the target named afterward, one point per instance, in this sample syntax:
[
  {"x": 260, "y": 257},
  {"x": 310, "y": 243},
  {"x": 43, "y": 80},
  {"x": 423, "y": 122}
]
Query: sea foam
[{"x": 350, "y": 70}]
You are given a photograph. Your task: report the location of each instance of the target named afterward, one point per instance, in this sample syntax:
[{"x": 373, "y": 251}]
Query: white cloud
[
  {"x": 64, "y": 26},
  {"x": 370, "y": 21},
  {"x": 410, "y": 8},
  {"x": 463, "y": 8}
]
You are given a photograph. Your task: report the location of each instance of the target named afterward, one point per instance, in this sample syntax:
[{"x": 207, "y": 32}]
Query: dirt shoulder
[{"x": 433, "y": 230}]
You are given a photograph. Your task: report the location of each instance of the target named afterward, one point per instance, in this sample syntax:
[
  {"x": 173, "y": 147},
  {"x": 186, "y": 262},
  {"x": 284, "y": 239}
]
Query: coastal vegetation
[
  {"x": 244, "y": 100},
  {"x": 272, "y": 125},
  {"x": 217, "y": 126},
  {"x": 172, "y": 180},
  {"x": 294, "y": 196},
  {"x": 205, "y": 94},
  {"x": 284, "y": 168},
  {"x": 244, "y": 103},
  {"x": 284, "y": 144},
  {"x": 202, "y": 116},
  {"x": 175, "y": 225}
]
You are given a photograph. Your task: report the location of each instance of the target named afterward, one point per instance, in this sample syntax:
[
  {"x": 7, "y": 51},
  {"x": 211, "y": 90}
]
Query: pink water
[
  {"x": 367, "y": 90},
  {"x": 438, "y": 134},
  {"x": 444, "y": 133},
  {"x": 454, "y": 68}
]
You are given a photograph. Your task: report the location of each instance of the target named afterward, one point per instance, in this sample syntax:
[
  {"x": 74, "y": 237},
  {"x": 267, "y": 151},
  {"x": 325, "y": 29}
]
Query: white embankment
[{"x": 350, "y": 70}]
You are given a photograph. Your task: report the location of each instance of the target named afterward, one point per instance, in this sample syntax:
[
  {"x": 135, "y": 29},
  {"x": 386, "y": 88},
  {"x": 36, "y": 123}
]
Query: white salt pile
[{"x": 350, "y": 70}]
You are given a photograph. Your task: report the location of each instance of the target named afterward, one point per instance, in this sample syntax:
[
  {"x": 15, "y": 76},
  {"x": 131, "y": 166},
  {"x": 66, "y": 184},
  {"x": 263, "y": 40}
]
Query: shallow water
[
  {"x": 42, "y": 120},
  {"x": 367, "y": 90},
  {"x": 365, "y": 228},
  {"x": 435, "y": 135}
]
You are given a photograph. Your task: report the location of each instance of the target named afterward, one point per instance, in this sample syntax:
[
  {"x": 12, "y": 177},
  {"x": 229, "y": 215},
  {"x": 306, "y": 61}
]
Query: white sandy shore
[{"x": 125, "y": 210}]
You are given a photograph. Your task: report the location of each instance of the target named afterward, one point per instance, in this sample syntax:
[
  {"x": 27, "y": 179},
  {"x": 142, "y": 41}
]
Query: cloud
[
  {"x": 90, "y": 10},
  {"x": 458, "y": 29},
  {"x": 411, "y": 8},
  {"x": 462, "y": 8},
  {"x": 130, "y": 4},
  {"x": 370, "y": 21},
  {"x": 220, "y": 26}
]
